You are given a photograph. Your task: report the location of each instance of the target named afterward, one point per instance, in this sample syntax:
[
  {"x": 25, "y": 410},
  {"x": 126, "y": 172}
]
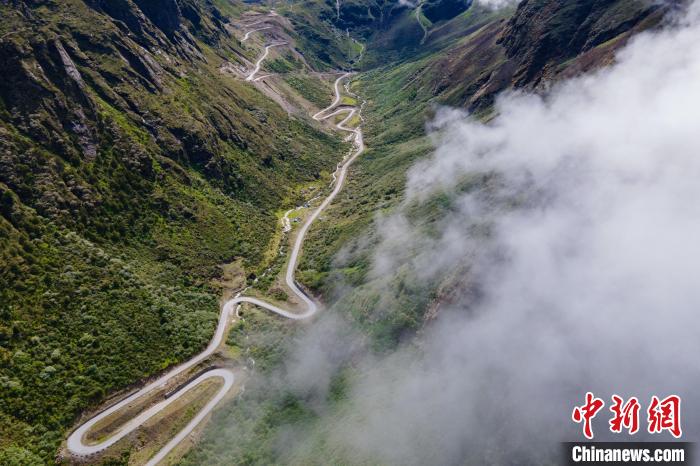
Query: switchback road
[{"x": 77, "y": 444}]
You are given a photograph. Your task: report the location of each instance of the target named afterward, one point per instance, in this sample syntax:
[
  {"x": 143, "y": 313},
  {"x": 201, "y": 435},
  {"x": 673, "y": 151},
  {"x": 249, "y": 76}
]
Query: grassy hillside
[{"x": 131, "y": 168}]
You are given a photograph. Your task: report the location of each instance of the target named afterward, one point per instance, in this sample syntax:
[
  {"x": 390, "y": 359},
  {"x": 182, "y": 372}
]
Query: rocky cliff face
[
  {"x": 541, "y": 41},
  {"x": 543, "y": 33},
  {"x": 65, "y": 77},
  {"x": 165, "y": 14}
]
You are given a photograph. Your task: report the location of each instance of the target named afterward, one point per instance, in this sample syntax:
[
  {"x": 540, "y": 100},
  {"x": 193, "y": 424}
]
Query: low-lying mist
[
  {"x": 584, "y": 246},
  {"x": 494, "y": 4}
]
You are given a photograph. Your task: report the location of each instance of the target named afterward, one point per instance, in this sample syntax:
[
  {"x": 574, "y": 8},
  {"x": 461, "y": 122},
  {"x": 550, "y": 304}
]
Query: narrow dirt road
[
  {"x": 247, "y": 34},
  {"x": 258, "y": 64}
]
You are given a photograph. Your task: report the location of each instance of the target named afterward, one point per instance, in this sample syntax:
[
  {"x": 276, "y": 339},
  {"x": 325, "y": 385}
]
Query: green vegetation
[
  {"x": 324, "y": 45},
  {"x": 347, "y": 100},
  {"x": 261, "y": 336},
  {"x": 245, "y": 427},
  {"x": 83, "y": 322},
  {"x": 309, "y": 88},
  {"x": 131, "y": 169},
  {"x": 284, "y": 64}
]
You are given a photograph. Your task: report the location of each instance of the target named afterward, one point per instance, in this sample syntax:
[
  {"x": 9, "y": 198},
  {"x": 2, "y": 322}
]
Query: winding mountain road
[
  {"x": 77, "y": 444},
  {"x": 247, "y": 34},
  {"x": 418, "y": 13},
  {"x": 258, "y": 64}
]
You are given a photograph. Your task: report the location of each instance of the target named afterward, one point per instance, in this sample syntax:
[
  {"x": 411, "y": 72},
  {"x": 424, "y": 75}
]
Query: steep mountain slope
[{"x": 131, "y": 168}]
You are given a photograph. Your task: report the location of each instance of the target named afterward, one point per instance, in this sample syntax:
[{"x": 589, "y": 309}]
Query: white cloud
[
  {"x": 494, "y": 4},
  {"x": 587, "y": 277},
  {"x": 497, "y": 3}
]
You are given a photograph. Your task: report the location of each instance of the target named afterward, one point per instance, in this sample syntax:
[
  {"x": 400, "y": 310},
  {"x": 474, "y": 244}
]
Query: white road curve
[
  {"x": 228, "y": 377},
  {"x": 247, "y": 34},
  {"x": 77, "y": 444},
  {"x": 262, "y": 58},
  {"x": 78, "y": 448}
]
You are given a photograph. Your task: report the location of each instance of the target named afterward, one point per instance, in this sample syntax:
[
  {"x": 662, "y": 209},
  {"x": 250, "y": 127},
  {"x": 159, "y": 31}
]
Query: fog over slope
[
  {"x": 589, "y": 283},
  {"x": 583, "y": 259},
  {"x": 498, "y": 3}
]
